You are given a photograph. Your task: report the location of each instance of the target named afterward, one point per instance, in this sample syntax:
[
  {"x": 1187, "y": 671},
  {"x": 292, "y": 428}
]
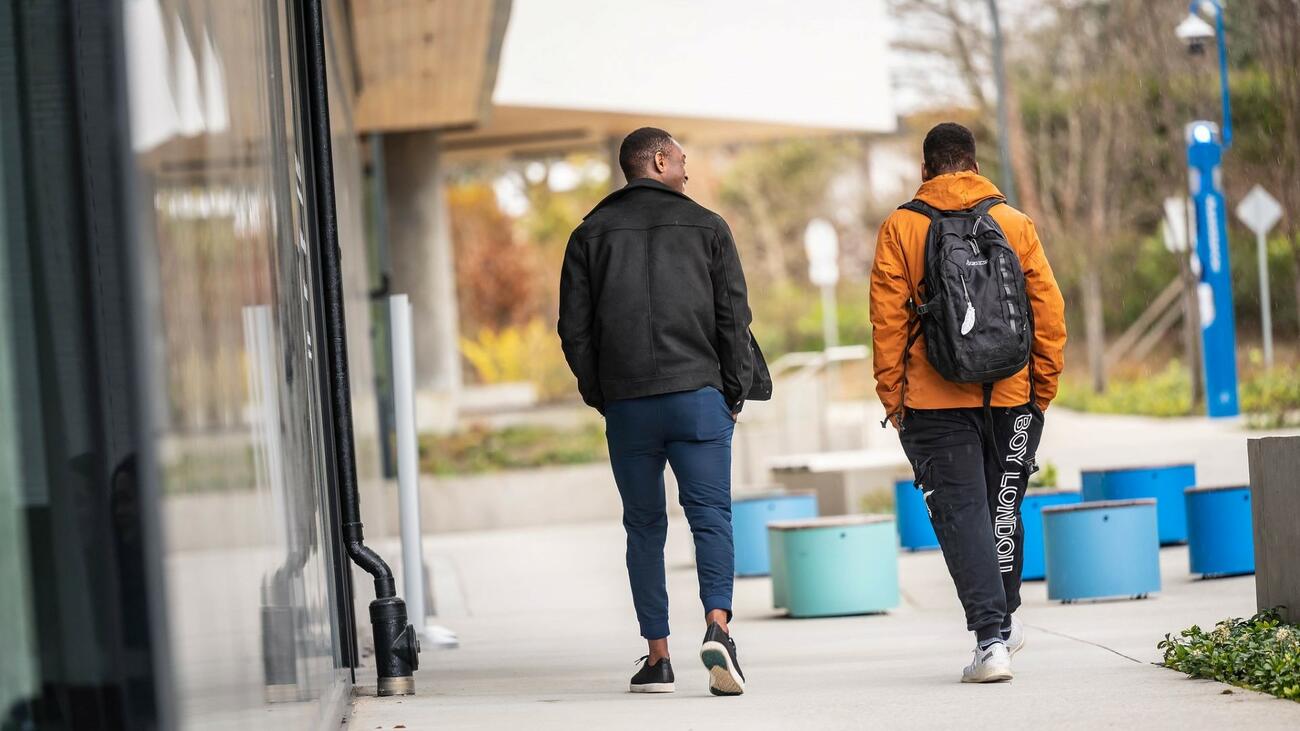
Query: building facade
[{"x": 169, "y": 548}]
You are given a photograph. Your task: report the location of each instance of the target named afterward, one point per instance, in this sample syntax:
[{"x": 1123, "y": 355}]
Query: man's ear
[
  {"x": 925, "y": 173},
  {"x": 977, "y": 167},
  {"x": 661, "y": 162}
]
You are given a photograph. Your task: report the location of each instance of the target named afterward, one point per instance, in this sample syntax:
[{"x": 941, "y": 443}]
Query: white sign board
[
  {"x": 1175, "y": 227},
  {"x": 822, "y": 245},
  {"x": 1259, "y": 211}
]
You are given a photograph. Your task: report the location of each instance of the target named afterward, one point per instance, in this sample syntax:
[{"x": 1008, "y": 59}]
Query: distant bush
[
  {"x": 1261, "y": 653},
  {"x": 1271, "y": 399},
  {"x": 1166, "y": 393},
  {"x": 479, "y": 450},
  {"x": 530, "y": 353},
  {"x": 788, "y": 317},
  {"x": 1046, "y": 478}
]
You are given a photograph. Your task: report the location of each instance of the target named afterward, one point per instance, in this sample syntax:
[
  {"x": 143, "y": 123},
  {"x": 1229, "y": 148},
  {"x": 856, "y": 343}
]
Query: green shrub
[
  {"x": 788, "y": 317},
  {"x": 479, "y": 450},
  {"x": 1261, "y": 653},
  {"x": 1046, "y": 478},
  {"x": 1165, "y": 393},
  {"x": 1271, "y": 398}
]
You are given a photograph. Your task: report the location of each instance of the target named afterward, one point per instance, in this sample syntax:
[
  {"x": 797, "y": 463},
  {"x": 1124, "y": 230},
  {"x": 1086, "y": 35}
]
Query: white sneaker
[
  {"x": 1016, "y": 637},
  {"x": 989, "y": 666}
]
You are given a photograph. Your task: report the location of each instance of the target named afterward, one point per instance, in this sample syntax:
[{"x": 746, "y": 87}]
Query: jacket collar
[{"x": 632, "y": 185}]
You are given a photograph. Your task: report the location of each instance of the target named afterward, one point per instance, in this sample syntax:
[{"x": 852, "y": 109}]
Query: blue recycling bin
[
  {"x": 1031, "y": 518},
  {"x": 1164, "y": 483},
  {"x": 1220, "y": 537},
  {"x": 1095, "y": 550},
  {"x": 750, "y": 515},
  {"x": 915, "y": 533},
  {"x": 838, "y": 565}
]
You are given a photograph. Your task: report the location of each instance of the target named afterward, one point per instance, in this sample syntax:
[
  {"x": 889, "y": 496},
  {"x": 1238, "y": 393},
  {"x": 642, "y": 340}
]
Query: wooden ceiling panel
[{"x": 425, "y": 64}]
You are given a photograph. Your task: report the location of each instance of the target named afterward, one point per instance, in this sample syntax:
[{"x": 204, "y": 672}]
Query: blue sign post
[
  {"x": 1218, "y": 327},
  {"x": 1205, "y": 177}
]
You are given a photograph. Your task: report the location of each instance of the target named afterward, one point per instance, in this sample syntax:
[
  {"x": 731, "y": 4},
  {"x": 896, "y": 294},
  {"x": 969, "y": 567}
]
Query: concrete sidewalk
[{"x": 549, "y": 642}]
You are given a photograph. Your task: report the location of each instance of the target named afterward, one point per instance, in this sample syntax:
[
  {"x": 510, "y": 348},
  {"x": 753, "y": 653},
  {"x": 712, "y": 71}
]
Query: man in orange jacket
[{"x": 971, "y": 463}]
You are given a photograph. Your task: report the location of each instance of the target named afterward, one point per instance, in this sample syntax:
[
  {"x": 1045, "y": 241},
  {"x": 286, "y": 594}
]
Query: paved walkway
[{"x": 549, "y": 639}]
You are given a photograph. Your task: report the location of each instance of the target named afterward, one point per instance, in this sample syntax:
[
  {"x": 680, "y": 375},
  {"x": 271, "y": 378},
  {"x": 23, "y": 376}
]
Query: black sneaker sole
[{"x": 723, "y": 678}]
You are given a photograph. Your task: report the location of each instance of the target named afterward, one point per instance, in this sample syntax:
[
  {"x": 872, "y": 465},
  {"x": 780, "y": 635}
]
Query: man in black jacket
[{"x": 655, "y": 326}]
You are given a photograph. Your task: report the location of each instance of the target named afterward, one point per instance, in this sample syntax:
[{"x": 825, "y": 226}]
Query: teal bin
[
  {"x": 824, "y": 567},
  {"x": 1220, "y": 536},
  {"x": 776, "y": 550},
  {"x": 1165, "y": 483},
  {"x": 1031, "y": 520},
  {"x": 750, "y": 515},
  {"x": 1096, "y": 550},
  {"x": 915, "y": 533}
]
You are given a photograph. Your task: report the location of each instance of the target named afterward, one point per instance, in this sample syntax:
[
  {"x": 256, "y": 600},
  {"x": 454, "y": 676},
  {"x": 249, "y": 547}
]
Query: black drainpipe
[{"x": 396, "y": 645}]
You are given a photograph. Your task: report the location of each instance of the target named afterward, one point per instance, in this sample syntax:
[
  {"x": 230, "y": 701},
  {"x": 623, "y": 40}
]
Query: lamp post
[
  {"x": 1206, "y": 142},
  {"x": 1000, "y": 79},
  {"x": 822, "y": 245}
]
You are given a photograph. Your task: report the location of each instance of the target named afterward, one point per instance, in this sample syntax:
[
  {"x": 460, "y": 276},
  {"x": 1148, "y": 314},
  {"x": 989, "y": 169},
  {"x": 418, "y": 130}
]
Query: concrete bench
[
  {"x": 1031, "y": 521},
  {"x": 823, "y": 567},
  {"x": 842, "y": 479},
  {"x": 1220, "y": 535},
  {"x": 1165, "y": 483},
  {"x": 915, "y": 531},
  {"x": 1095, "y": 550},
  {"x": 750, "y": 514}
]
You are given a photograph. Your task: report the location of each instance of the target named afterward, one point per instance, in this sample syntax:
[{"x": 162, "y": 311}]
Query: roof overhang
[
  {"x": 578, "y": 72},
  {"x": 425, "y": 65}
]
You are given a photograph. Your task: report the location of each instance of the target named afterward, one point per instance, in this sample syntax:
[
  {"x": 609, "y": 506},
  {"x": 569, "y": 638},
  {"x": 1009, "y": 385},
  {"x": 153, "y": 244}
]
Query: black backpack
[{"x": 975, "y": 315}]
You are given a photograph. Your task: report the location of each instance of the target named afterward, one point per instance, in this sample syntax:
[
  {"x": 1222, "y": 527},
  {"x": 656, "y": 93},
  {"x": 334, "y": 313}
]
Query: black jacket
[{"x": 652, "y": 300}]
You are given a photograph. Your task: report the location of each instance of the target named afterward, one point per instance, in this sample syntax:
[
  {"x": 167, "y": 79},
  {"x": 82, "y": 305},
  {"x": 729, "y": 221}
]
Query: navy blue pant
[{"x": 690, "y": 430}]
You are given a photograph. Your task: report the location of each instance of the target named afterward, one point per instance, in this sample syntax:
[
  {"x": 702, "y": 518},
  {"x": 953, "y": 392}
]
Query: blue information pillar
[{"x": 1218, "y": 328}]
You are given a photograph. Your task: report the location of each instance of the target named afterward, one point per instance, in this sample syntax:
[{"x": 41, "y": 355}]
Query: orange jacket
[{"x": 897, "y": 271}]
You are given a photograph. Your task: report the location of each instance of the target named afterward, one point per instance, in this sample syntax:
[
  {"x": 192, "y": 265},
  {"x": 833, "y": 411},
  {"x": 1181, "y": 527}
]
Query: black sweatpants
[{"x": 973, "y": 482}]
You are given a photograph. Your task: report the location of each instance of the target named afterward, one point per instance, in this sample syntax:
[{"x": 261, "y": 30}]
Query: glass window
[
  {"x": 19, "y": 678},
  {"x": 252, "y": 600}
]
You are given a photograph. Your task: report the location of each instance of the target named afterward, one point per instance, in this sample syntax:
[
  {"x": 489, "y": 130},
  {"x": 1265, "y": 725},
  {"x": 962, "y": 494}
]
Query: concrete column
[
  {"x": 425, "y": 270},
  {"x": 1275, "y": 513}
]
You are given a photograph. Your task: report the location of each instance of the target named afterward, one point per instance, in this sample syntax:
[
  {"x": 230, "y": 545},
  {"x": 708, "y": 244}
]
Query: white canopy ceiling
[{"x": 819, "y": 64}]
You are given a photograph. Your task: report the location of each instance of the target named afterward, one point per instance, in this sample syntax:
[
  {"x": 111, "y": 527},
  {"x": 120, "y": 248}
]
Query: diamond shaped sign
[{"x": 1259, "y": 210}]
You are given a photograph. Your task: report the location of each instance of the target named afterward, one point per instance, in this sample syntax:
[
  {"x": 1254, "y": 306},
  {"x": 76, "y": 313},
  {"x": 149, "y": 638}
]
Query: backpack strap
[
  {"x": 921, "y": 207},
  {"x": 982, "y": 208},
  {"x": 913, "y": 322},
  {"x": 990, "y": 445}
]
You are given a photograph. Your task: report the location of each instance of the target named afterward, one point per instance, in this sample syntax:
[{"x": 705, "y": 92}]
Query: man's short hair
[
  {"x": 639, "y": 148},
  {"x": 949, "y": 148}
]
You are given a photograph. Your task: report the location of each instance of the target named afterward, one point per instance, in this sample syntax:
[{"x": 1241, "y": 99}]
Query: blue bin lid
[
  {"x": 1100, "y": 505},
  {"x": 830, "y": 521},
  {"x": 1138, "y": 468},
  {"x": 769, "y": 493},
  {"x": 1050, "y": 491},
  {"x": 1217, "y": 488}
]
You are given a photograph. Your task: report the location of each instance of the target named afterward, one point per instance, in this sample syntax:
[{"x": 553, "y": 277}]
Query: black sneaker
[
  {"x": 719, "y": 655},
  {"x": 653, "y": 678}
]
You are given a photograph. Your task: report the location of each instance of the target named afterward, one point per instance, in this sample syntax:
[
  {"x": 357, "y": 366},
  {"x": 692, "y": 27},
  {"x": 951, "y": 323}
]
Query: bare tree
[{"x": 1279, "y": 39}]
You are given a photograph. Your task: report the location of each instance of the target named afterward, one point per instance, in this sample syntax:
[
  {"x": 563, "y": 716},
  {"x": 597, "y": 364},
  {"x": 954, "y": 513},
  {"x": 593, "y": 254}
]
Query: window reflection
[{"x": 251, "y": 597}]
